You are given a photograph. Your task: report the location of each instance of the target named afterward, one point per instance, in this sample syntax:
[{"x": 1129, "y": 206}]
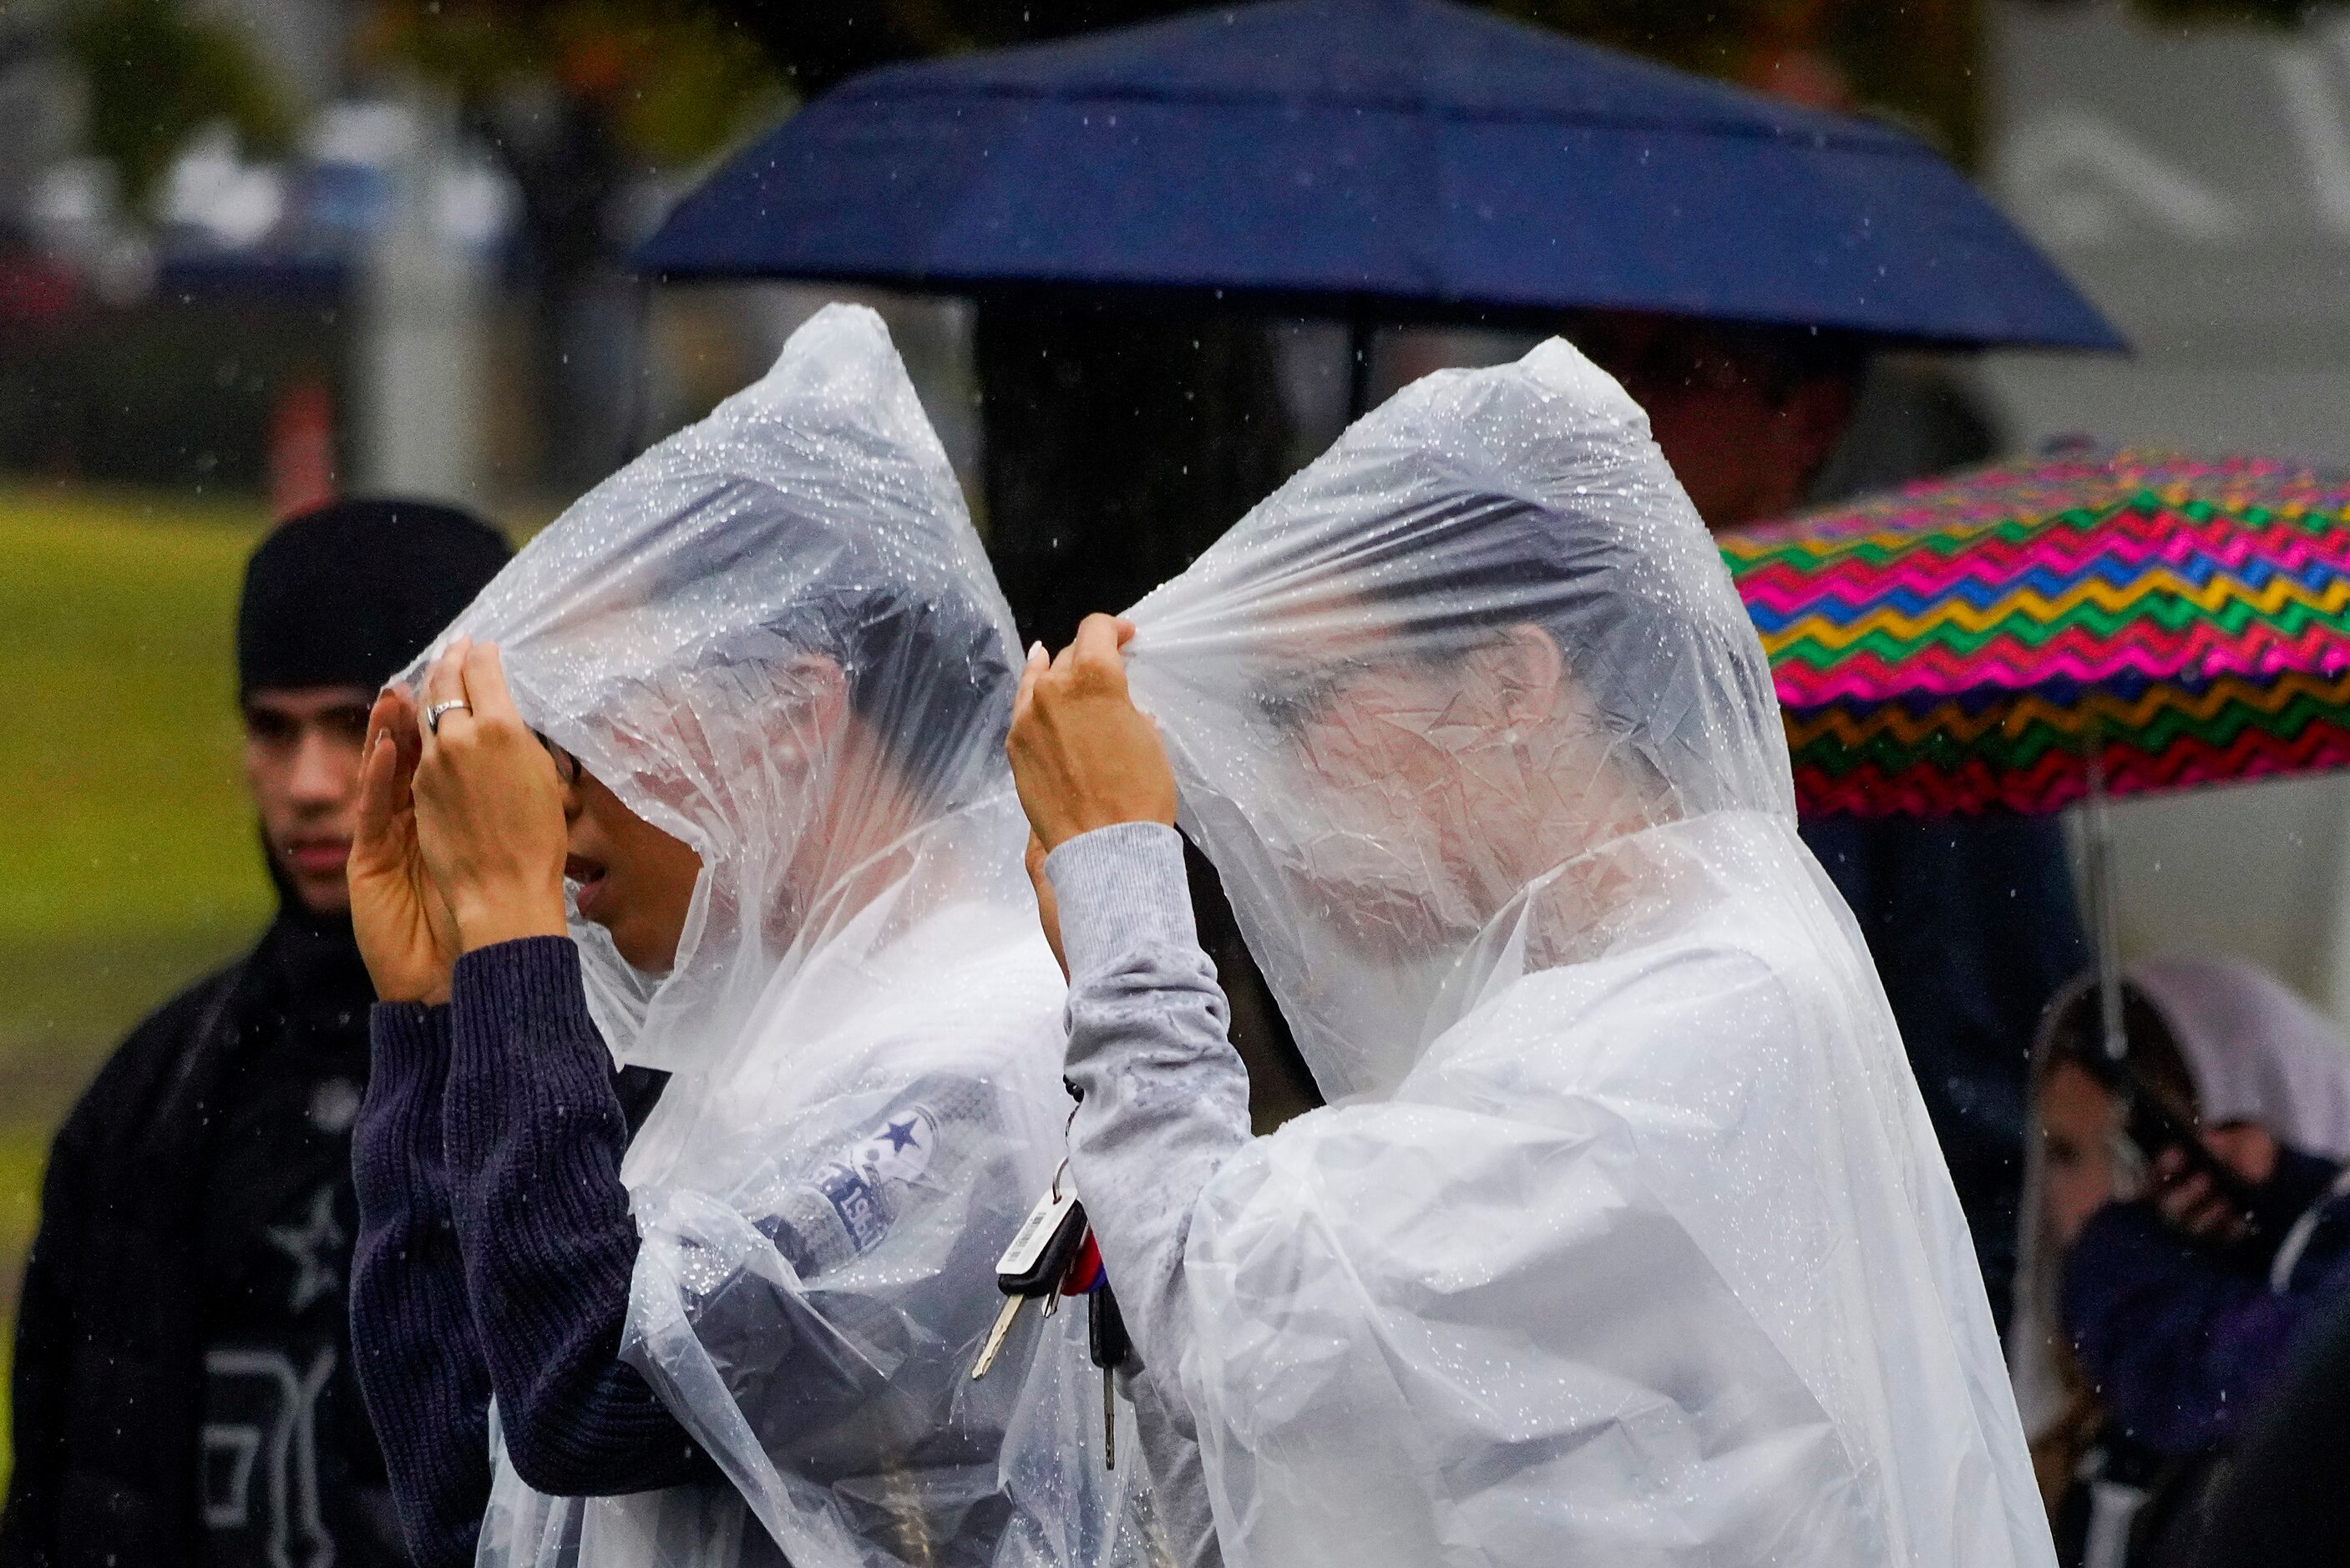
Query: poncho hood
[
  {"x": 1528, "y": 495},
  {"x": 708, "y": 628}
]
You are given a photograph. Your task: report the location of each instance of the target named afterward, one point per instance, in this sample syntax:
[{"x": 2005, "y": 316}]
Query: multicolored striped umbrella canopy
[{"x": 1974, "y": 641}]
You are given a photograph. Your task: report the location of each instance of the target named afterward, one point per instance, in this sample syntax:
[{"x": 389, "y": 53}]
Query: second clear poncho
[
  {"x": 774, "y": 637},
  {"x": 1625, "y": 1239}
]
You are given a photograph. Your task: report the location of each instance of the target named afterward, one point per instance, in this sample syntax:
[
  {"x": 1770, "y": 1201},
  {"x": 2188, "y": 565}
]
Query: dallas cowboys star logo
[
  {"x": 901, "y": 1135},
  {"x": 316, "y": 1245}
]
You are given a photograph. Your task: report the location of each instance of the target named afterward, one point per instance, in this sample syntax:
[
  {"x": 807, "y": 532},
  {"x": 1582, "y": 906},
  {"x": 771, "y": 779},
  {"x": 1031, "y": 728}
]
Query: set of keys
[{"x": 1052, "y": 1255}]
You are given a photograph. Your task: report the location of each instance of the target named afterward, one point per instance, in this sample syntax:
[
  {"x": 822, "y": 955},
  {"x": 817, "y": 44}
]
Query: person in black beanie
[{"x": 183, "y": 1387}]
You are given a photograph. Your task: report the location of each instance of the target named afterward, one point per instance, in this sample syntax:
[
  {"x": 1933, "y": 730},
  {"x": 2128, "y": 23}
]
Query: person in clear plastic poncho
[
  {"x": 769, "y": 672},
  {"x": 1624, "y": 1239}
]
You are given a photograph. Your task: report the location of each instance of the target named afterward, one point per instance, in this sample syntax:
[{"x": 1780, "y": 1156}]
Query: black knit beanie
[{"x": 348, "y": 594}]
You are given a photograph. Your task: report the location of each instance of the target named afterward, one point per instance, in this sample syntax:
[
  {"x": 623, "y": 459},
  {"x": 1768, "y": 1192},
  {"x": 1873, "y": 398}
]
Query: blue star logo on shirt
[{"x": 901, "y": 1135}]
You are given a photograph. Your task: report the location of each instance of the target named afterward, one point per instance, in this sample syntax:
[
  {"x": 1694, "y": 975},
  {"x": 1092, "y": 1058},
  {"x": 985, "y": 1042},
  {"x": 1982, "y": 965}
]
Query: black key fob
[
  {"x": 1105, "y": 1329},
  {"x": 1041, "y": 1252}
]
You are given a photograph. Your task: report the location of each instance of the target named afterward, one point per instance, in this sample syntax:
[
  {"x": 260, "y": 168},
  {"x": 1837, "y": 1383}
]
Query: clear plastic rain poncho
[
  {"x": 1626, "y": 1240},
  {"x": 774, "y": 636}
]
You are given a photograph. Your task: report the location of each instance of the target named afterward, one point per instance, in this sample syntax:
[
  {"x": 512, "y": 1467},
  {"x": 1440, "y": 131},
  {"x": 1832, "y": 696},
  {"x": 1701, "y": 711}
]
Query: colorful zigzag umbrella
[{"x": 1974, "y": 641}]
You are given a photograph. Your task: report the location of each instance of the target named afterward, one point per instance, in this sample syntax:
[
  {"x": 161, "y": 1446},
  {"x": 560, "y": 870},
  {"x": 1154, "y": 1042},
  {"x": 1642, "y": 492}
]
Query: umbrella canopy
[
  {"x": 1402, "y": 158},
  {"x": 1982, "y": 641}
]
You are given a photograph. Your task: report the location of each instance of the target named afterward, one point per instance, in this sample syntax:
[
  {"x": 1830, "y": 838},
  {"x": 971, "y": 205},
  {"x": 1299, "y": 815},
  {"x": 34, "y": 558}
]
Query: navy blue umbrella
[{"x": 1391, "y": 159}]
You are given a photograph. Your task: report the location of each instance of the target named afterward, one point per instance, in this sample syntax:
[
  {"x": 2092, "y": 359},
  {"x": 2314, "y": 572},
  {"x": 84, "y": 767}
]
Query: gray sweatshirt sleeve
[{"x": 1165, "y": 1095}]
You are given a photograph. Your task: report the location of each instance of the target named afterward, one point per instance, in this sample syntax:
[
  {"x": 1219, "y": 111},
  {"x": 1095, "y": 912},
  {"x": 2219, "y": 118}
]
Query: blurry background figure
[
  {"x": 2153, "y": 1322},
  {"x": 183, "y": 1391}
]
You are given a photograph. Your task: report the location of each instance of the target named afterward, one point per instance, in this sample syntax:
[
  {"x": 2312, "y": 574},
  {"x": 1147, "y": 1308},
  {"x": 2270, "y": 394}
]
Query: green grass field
[{"x": 127, "y": 857}]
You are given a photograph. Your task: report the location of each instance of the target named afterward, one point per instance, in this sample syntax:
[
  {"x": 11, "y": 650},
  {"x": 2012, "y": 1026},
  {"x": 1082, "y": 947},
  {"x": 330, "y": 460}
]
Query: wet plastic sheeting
[
  {"x": 774, "y": 637},
  {"x": 1626, "y": 1239}
]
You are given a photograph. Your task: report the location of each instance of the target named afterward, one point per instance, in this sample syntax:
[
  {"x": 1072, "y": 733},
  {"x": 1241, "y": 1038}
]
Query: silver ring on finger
[{"x": 432, "y": 714}]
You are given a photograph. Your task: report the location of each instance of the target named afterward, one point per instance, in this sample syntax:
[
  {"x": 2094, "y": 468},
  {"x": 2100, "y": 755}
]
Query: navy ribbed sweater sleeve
[
  {"x": 419, "y": 1365},
  {"x": 534, "y": 1137}
]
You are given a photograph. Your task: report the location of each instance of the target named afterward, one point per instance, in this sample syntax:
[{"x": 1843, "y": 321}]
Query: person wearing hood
[
  {"x": 711, "y": 780},
  {"x": 2153, "y": 1319},
  {"x": 1624, "y": 1237},
  {"x": 184, "y": 1381}
]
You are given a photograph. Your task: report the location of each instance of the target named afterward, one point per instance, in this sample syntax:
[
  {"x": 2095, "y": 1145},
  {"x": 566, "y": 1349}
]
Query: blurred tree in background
[
  {"x": 154, "y": 73},
  {"x": 581, "y": 100},
  {"x": 674, "y": 80}
]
